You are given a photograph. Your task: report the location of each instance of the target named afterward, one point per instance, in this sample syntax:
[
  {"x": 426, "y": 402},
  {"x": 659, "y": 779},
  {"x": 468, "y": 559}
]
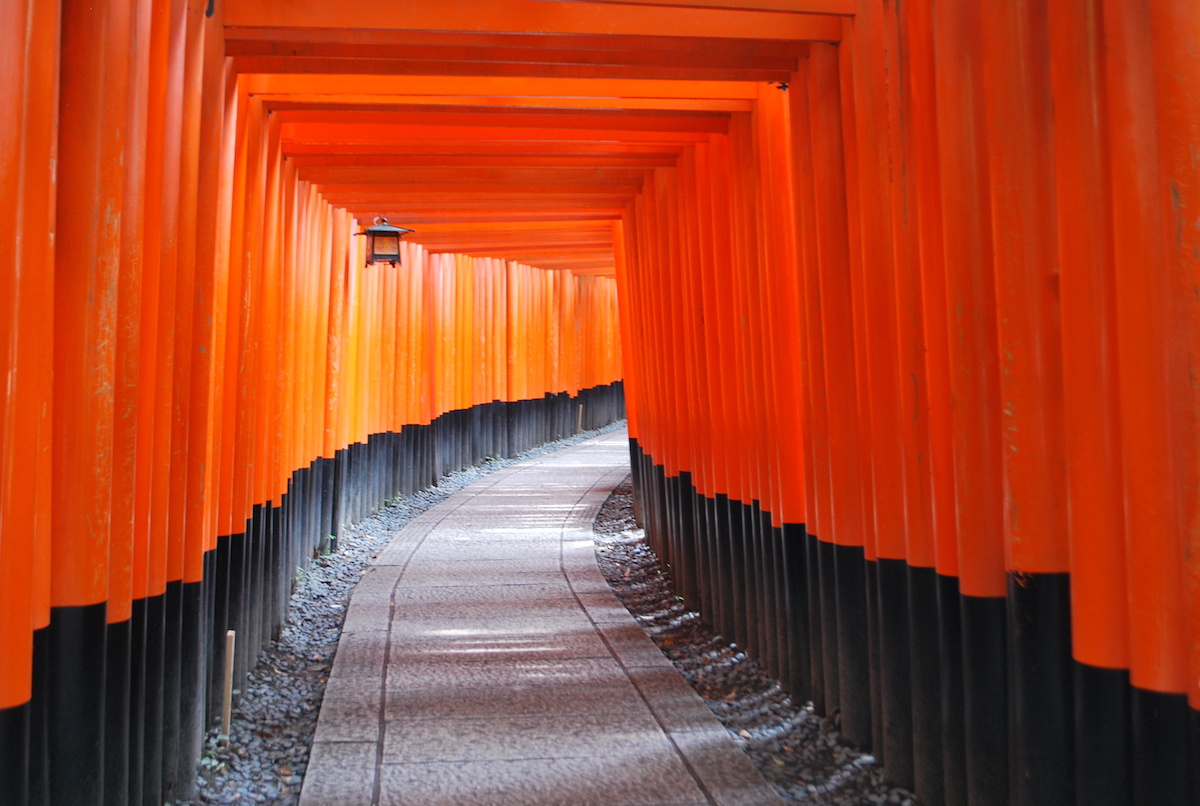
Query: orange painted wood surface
[{"x": 935, "y": 299}]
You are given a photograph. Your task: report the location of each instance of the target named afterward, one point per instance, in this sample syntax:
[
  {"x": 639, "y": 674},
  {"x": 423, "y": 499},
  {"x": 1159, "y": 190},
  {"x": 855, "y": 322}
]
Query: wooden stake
[{"x": 227, "y": 702}]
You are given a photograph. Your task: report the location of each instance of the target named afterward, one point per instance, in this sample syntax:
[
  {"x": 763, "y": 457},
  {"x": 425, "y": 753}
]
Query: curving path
[{"x": 484, "y": 660}]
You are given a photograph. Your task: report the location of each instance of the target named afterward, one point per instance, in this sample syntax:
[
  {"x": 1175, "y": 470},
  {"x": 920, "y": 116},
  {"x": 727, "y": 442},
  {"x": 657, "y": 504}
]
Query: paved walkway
[{"x": 484, "y": 660}]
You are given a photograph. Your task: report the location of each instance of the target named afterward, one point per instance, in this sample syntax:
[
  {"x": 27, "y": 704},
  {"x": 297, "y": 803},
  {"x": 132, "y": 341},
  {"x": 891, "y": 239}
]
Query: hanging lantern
[{"x": 383, "y": 242}]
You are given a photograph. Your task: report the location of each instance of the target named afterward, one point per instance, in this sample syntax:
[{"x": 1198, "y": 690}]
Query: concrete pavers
[{"x": 485, "y": 660}]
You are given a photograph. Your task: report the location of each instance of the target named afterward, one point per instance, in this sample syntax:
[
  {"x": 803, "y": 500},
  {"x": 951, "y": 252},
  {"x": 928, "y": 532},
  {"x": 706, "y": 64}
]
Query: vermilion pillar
[
  {"x": 876, "y": 65},
  {"x": 842, "y": 575},
  {"x": 929, "y": 470},
  {"x": 1153, "y": 525},
  {"x": 1176, "y": 54},
  {"x": 86, "y": 276},
  {"x": 28, "y": 93},
  {"x": 1019, "y": 117},
  {"x": 781, "y": 297},
  {"x": 818, "y": 476},
  {"x": 123, "y": 85},
  {"x": 1095, "y": 500},
  {"x": 974, "y": 382}
]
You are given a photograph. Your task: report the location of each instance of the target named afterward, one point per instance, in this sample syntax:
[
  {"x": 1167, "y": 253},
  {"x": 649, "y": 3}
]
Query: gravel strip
[
  {"x": 273, "y": 724},
  {"x": 797, "y": 751}
]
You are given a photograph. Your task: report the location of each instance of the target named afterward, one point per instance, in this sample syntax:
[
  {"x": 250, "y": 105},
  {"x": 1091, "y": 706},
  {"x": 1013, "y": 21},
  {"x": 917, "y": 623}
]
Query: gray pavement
[{"x": 484, "y": 660}]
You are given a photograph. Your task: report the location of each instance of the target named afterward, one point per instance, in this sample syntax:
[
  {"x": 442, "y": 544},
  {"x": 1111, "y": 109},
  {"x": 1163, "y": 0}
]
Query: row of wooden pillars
[
  {"x": 914, "y": 340},
  {"x": 203, "y": 381}
]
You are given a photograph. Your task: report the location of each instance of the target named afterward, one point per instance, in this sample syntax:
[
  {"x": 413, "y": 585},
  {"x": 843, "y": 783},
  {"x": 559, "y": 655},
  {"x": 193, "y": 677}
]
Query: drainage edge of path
[{"x": 797, "y": 751}]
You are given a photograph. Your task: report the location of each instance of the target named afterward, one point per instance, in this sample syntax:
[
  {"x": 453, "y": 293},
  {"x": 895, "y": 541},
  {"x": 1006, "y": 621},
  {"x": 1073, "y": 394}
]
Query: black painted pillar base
[
  {"x": 1102, "y": 736},
  {"x": 687, "y": 581},
  {"x": 219, "y": 624},
  {"x": 1160, "y": 748},
  {"x": 152, "y": 770},
  {"x": 925, "y": 659},
  {"x": 14, "y": 754},
  {"x": 137, "y": 700},
  {"x": 325, "y": 522},
  {"x": 764, "y": 539},
  {"x": 735, "y": 554},
  {"x": 874, "y": 670},
  {"x": 191, "y": 702},
  {"x": 816, "y": 641},
  {"x": 1041, "y": 738},
  {"x": 39, "y": 720},
  {"x": 754, "y": 592},
  {"x": 704, "y": 574},
  {"x": 795, "y": 563},
  {"x": 75, "y": 719},
  {"x": 895, "y": 671},
  {"x": 780, "y": 616},
  {"x": 827, "y": 582},
  {"x": 1194, "y": 754},
  {"x": 337, "y": 512},
  {"x": 172, "y": 647},
  {"x": 985, "y": 698},
  {"x": 117, "y": 706},
  {"x": 853, "y": 664},
  {"x": 950, "y": 641}
]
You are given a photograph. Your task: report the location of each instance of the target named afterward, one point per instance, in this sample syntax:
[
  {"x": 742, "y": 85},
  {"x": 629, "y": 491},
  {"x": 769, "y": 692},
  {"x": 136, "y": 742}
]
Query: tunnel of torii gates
[{"x": 901, "y": 299}]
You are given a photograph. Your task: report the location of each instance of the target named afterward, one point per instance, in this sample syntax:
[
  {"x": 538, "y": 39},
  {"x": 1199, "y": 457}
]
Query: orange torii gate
[{"x": 906, "y": 323}]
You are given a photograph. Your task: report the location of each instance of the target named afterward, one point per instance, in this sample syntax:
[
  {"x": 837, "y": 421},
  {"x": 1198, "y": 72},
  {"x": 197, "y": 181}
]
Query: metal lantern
[{"x": 383, "y": 242}]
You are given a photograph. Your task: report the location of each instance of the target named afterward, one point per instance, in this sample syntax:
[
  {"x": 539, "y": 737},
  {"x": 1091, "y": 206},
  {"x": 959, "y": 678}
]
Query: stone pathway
[{"x": 484, "y": 660}]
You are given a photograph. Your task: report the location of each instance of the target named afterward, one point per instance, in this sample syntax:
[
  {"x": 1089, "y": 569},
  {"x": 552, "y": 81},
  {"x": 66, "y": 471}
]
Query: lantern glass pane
[{"x": 388, "y": 245}]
